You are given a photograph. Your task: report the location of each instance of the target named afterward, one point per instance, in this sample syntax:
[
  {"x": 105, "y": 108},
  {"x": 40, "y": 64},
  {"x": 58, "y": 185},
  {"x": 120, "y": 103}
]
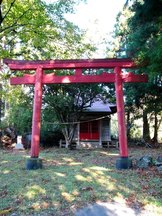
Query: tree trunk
[
  {"x": 66, "y": 136},
  {"x": 68, "y": 133},
  {"x": 0, "y": 104},
  {"x": 67, "y": 142},
  {"x": 0, "y": 110},
  {"x": 128, "y": 125},
  {"x": 146, "y": 131},
  {"x": 155, "y": 139}
]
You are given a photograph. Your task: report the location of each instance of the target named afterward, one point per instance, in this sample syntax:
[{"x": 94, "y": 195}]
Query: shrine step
[
  {"x": 88, "y": 145},
  {"x": 110, "y": 144},
  {"x": 62, "y": 144}
]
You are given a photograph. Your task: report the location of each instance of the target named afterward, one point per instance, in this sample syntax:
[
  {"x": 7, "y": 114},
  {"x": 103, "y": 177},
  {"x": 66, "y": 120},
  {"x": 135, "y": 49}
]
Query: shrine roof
[{"x": 100, "y": 106}]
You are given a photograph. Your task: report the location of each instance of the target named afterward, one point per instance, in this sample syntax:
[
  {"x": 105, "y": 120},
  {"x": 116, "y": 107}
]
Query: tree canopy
[
  {"x": 36, "y": 30},
  {"x": 138, "y": 36}
]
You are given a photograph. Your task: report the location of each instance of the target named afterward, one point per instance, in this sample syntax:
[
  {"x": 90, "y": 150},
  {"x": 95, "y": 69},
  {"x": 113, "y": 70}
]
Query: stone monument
[{"x": 19, "y": 144}]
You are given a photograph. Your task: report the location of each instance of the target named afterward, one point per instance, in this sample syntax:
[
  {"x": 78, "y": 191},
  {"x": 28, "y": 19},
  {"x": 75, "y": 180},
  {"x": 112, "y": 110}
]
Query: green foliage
[
  {"x": 20, "y": 111},
  {"x": 138, "y": 35},
  {"x": 36, "y": 30},
  {"x": 50, "y": 135}
]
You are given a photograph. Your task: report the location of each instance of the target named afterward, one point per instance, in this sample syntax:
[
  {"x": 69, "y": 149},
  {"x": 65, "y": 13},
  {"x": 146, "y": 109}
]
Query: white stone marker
[{"x": 19, "y": 143}]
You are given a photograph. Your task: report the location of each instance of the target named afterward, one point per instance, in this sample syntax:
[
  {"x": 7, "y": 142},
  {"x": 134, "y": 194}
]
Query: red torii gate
[{"x": 40, "y": 78}]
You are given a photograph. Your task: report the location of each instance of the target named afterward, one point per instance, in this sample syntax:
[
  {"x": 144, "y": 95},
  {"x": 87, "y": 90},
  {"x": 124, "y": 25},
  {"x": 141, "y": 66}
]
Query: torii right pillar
[{"x": 123, "y": 162}]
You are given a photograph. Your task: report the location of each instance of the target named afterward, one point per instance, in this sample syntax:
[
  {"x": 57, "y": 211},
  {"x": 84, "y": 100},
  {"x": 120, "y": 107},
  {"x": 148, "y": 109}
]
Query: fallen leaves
[
  {"x": 3, "y": 193},
  {"x": 67, "y": 196},
  {"x": 49, "y": 162},
  {"x": 87, "y": 189},
  {"x": 5, "y": 211},
  {"x": 133, "y": 202},
  {"x": 149, "y": 181},
  {"x": 38, "y": 206}
]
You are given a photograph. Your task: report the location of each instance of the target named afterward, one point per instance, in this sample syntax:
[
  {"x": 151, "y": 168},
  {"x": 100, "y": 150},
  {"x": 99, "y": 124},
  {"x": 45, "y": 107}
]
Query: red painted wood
[
  {"x": 51, "y": 78},
  {"x": 89, "y": 131},
  {"x": 130, "y": 77},
  {"x": 36, "y": 121},
  {"x": 78, "y": 71},
  {"x": 26, "y": 79},
  {"x": 103, "y": 78},
  {"x": 120, "y": 112},
  {"x": 69, "y": 64}
]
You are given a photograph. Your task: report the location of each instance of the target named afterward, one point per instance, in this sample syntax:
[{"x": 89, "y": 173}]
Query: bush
[{"x": 51, "y": 138}]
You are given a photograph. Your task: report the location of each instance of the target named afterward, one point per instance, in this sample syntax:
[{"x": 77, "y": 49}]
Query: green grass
[{"x": 73, "y": 179}]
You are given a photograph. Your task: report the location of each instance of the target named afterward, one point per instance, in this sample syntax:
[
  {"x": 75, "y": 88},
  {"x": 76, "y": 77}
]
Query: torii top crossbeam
[
  {"x": 69, "y": 64},
  {"x": 77, "y": 65},
  {"x": 40, "y": 78}
]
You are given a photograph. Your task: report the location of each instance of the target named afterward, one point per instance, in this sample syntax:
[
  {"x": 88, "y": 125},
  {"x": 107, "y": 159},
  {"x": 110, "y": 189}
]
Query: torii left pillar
[{"x": 35, "y": 162}]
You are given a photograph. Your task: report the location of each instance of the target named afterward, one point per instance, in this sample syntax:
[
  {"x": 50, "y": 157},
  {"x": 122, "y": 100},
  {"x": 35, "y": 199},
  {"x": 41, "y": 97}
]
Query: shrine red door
[{"x": 89, "y": 130}]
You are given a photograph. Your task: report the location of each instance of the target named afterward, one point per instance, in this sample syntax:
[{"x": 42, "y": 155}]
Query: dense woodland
[
  {"x": 138, "y": 36},
  {"x": 36, "y": 30}
]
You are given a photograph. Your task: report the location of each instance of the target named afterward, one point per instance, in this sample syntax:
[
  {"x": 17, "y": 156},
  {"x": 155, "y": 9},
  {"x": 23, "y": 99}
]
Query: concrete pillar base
[
  {"x": 34, "y": 163},
  {"x": 123, "y": 163}
]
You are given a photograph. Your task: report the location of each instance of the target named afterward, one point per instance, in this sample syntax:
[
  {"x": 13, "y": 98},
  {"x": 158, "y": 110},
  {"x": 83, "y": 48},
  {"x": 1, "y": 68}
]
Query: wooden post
[
  {"x": 120, "y": 113},
  {"x": 123, "y": 162},
  {"x": 36, "y": 121}
]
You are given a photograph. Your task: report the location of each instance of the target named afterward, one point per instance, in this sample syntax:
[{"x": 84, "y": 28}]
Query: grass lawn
[{"x": 73, "y": 179}]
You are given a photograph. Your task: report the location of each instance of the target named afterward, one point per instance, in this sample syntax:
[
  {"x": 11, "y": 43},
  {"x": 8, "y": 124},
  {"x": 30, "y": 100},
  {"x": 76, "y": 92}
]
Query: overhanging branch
[
  {"x": 3, "y": 18},
  {"x": 16, "y": 22}
]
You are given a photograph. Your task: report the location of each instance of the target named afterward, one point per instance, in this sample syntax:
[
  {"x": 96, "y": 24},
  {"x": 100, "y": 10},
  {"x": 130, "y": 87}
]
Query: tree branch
[
  {"x": 15, "y": 23},
  {"x": 1, "y": 18},
  {"x": 11, "y": 5}
]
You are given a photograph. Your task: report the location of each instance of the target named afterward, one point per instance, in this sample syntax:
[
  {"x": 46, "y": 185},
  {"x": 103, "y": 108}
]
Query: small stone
[
  {"x": 14, "y": 214},
  {"x": 159, "y": 161},
  {"x": 19, "y": 146},
  {"x": 159, "y": 168},
  {"x": 145, "y": 162}
]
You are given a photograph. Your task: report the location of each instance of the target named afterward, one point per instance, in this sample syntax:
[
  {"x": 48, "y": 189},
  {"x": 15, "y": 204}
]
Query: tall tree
[
  {"x": 138, "y": 35},
  {"x": 32, "y": 30}
]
